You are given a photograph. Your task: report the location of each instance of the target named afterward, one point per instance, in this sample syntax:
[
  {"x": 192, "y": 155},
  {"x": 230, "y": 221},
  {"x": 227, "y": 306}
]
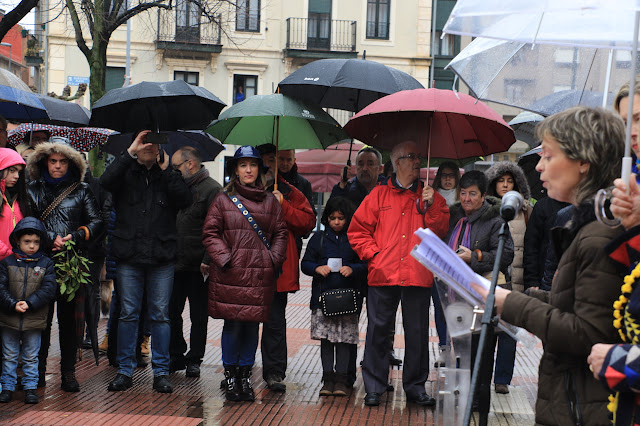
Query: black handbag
[{"x": 341, "y": 301}]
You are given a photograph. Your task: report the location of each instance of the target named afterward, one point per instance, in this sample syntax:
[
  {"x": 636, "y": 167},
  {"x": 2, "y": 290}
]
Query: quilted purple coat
[{"x": 242, "y": 272}]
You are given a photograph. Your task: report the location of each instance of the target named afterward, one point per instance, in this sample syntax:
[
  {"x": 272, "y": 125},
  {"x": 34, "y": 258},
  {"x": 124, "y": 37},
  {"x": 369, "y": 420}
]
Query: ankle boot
[
  {"x": 246, "y": 390},
  {"x": 340, "y": 385},
  {"x": 230, "y": 383},
  {"x": 327, "y": 383}
]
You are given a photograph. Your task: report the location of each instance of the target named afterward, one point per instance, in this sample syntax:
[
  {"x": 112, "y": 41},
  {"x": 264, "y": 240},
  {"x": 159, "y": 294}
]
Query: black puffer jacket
[
  {"x": 146, "y": 202},
  {"x": 190, "y": 222},
  {"x": 31, "y": 280},
  {"x": 79, "y": 208}
]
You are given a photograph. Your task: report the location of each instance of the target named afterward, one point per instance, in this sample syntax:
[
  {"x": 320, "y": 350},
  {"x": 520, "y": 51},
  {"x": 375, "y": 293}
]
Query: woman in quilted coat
[{"x": 245, "y": 235}]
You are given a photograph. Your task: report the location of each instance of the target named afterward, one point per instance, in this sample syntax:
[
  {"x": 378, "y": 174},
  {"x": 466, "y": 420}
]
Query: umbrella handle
[{"x": 419, "y": 207}]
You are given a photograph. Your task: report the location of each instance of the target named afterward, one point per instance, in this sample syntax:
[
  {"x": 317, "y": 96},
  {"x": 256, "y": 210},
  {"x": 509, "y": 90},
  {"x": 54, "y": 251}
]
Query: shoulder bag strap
[
  {"x": 251, "y": 220},
  {"x": 58, "y": 200}
]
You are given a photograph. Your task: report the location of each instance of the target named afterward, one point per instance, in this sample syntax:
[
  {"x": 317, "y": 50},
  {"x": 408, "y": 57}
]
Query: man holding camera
[{"x": 147, "y": 195}]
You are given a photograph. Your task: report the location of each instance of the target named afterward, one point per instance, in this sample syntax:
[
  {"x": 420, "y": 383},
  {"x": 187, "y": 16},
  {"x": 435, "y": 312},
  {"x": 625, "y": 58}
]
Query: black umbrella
[
  {"x": 63, "y": 113},
  {"x": 208, "y": 146},
  {"x": 348, "y": 84},
  {"x": 527, "y": 163},
  {"x": 158, "y": 106},
  {"x": 565, "y": 99}
]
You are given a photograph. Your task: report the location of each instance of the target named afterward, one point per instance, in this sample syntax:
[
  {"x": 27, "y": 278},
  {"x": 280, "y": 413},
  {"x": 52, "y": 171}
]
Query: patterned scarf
[{"x": 456, "y": 240}]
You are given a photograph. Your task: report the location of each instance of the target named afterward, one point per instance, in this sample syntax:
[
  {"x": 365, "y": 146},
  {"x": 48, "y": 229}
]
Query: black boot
[
  {"x": 230, "y": 383},
  {"x": 246, "y": 390}
]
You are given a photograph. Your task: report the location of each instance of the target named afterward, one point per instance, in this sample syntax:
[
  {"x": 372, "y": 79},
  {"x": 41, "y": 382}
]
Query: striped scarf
[{"x": 456, "y": 240}]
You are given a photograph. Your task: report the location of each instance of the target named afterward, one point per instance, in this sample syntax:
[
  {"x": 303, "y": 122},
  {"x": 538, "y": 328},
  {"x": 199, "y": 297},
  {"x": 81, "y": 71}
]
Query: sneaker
[
  {"x": 86, "y": 344},
  {"x": 274, "y": 382},
  {"x": 69, "y": 382},
  {"x": 120, "y": 383},
  {"x": 30, "y": 396},
  {"x": 144, "y": 346},
  {"x": 6, "y": 396},
  {"x": 162, "y": 384},
  {"x": 193, "y": 370},
  {"x": 502, "y": 388}
]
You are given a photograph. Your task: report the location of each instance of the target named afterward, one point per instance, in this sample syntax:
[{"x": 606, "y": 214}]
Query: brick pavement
[{"x": 200, "y": 401}]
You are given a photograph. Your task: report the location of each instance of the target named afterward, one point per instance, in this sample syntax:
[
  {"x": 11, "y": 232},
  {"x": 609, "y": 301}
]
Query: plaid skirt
[{"x": 336, "y": 329}]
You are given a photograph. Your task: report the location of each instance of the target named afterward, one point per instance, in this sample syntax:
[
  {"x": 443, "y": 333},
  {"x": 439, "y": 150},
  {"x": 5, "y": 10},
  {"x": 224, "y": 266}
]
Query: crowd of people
[{"x": 167, "y": 233}]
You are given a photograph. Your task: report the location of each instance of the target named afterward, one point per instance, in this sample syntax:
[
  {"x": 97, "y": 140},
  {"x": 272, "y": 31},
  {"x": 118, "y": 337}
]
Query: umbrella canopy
[
  {"x": 283, "y": 121},
  {"x": 527, "y": 163},
  {"x": 7, "y": 78},
  {"x": 606, "y": 24},
  {"x": 522, "y": 74},
  {"x": 323, "y": 168},
  {"x": 159, "y": 106},
  {"x": 64, "y": 113},
  {"x": 443, "y": 123},
  {"x": 20, "y": 105},
  {"x": 348, "y": 84},
  {"x": 523, "y": 126},
  {"x": 208, "y": 146},
  {"x": 81, "y": 138}
]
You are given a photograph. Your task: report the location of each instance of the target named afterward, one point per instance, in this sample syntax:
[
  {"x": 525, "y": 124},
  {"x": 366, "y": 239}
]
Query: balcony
[
  {"x": 188, "y": 34},
  {"x": 320, "y": 38}
]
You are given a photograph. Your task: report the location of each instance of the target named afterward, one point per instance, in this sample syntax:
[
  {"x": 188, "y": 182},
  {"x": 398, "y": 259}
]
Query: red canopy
[{"x": 323, "y": 167}]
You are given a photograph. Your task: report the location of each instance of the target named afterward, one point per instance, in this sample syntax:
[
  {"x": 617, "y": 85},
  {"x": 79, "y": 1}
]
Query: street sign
[{"x": 73, "y": 80}]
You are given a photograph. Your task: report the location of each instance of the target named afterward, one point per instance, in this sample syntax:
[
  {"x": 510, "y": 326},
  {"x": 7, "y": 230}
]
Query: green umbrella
[{"x": 285, "y": 122}]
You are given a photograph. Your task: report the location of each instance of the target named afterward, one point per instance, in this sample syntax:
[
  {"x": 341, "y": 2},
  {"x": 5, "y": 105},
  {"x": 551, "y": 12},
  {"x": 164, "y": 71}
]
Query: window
[
  {"x": 244, "y": 86},
  {"x": 187, "y": 22},
  {"x": 444, "y": 46},
  {"x": 188, "y": 76},
  {"x": 566, "y": 57},
  {"x": 114, "y": 78},
  {"x": 378, "y": 19},
  {"x": 516, "y": 89},
  {"x": 248, "y": 15}
]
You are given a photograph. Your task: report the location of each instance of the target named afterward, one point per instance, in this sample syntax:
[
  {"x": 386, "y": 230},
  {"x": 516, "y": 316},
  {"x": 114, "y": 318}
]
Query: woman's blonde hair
[
  {"x": 624, "y": 93},
  {"x": 592, "y": 135}
]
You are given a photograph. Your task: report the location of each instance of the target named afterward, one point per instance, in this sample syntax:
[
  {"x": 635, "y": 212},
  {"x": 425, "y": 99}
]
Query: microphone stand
[{"x": 484, "y": 355}]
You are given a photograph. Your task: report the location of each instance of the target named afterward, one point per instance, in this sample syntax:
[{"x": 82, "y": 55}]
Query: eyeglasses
[
  {"x": 177, "y": 166},
  {"x": 411, "y": 157}
]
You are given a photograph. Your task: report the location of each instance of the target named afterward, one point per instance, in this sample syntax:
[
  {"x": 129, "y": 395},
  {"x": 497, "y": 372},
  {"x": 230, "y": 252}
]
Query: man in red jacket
[
  {"x": 300, "y": 220},
  {"x": 382, "y": 234}
]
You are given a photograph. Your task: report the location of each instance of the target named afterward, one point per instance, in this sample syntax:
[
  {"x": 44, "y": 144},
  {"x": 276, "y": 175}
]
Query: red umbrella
[
  {"x": 323, "y": 168},
  {"x": 459, "y": 125}
]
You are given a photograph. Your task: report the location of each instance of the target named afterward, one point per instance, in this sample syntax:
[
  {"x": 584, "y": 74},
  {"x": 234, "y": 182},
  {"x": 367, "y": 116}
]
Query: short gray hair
[
  {"x": 592, "y": 135},
  {"x": 371, "y": 150},
  {"x": 397, "y": 150}
]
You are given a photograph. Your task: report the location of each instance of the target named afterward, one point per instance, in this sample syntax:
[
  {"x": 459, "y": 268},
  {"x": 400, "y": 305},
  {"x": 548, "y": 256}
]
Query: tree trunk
[{"x": 98, "y": 70}]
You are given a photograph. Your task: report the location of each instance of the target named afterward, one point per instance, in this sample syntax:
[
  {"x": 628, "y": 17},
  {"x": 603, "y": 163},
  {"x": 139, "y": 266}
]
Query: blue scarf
[
  {"x": 55, "y": 181},
  {"x": 23, "y": 257}
]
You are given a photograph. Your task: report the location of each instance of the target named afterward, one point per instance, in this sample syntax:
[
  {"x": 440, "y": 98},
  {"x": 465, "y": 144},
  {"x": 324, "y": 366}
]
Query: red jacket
[
  {"x": 242, "y": 270},
  {"x": 300, "y": 221},
  {"x": 384, "y": 226}
]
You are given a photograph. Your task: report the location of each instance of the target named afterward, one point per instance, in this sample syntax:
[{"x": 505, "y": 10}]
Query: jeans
[
  {"x": 191, "y": 285},
  {"x": 505, "y": 359},
  {"x": 239, "y": 342},
  {"x": 133, "y": 282},
  {"x": 15, "y": 343},
  {"x": 438, "y": 313}
]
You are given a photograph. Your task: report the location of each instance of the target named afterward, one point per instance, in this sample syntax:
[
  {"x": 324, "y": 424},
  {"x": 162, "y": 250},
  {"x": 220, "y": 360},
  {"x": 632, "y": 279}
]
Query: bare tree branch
[
  {"x": 136, "y": 10},
  {"x": 82, "y": 44},
  {"x": 15, "y": 15}
]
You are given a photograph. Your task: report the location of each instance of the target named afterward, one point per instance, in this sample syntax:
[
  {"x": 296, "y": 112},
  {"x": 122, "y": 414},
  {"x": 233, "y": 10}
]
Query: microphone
[{"x": 511, "y": 204}]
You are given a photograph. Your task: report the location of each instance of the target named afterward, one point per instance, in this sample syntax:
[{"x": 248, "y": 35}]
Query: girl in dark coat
[
  {"x": 338, "y": 333},
  {"x": 242, "y": 277}
]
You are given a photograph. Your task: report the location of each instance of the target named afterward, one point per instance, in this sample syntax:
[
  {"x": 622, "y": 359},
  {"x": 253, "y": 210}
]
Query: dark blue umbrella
[
  {"x": 158, "y": 106},
  {"x": 63, "y": 113},
  {"x": 20, "y": 105},
  {"x": 208, "y": 146}
]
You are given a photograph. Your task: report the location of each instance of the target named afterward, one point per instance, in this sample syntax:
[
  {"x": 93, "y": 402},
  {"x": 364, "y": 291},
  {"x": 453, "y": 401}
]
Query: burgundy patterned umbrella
[{"x": 81, "y": 138}]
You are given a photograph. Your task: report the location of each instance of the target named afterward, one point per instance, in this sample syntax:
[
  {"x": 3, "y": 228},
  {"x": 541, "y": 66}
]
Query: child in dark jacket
[
  {"x": 337, "y": 334},
  {"x": 27, "y": 287}
]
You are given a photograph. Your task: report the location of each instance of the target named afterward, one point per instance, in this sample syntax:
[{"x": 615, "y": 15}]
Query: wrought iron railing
[
  {"x": 192, "y": 29},
  {"x": 321, "y": 34}
]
